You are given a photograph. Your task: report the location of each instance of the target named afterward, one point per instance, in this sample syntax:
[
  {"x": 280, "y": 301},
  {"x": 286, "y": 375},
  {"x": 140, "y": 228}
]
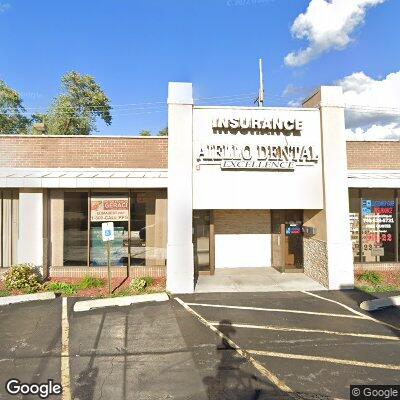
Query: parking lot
[{"x": 279, "y": 345}]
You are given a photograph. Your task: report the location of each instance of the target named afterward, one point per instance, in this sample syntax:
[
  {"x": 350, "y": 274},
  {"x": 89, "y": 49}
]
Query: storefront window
[
  {"x": 148, "y": 228},
  {"x": 8, "y": 226},
  {"x": 109, "y": 207},
  {"x": 354, "y": 199},
  {"x": 140, "y": 227},
  {"x": 75, "y": 228},
  {"x": 378, "y": 225}
]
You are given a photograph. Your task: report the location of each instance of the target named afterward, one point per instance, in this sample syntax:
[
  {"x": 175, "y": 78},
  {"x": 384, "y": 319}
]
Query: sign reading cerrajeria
[{"x": 253, "y": 155}]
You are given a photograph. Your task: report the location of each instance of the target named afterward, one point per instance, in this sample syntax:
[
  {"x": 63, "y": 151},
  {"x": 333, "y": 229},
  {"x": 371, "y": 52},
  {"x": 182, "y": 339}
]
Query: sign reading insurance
[
  {"x": 256, "y": 158},
  {"x": 253, "y": 153}
]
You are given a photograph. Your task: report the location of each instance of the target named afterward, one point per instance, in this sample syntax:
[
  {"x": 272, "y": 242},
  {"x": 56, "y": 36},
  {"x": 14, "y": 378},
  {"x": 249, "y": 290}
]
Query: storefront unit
[
  {"x": 250, "y": 177},
  {"x": 57, "y": 191},
  {"x": 239, "y": 186}
]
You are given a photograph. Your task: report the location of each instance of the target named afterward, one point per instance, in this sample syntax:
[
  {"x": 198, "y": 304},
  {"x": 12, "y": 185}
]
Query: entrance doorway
[{"x": 287, "y": 240}]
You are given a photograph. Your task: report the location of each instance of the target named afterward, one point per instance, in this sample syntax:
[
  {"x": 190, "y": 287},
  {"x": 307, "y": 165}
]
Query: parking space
[
  {"x": 30, "y": 343},
  {"x": 313, "y": 343},
  {"x": 276, "y": 345}
]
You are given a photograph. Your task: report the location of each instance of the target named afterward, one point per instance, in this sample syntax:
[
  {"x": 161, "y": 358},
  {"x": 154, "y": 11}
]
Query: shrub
[
  {"x": 89, "y": 282},
  {"x": 371, "y": 277},
  {"x": 23, "y": 277},
  {"x": 138, "y": 284},
  {"x": 142, "y": 283},
  {"x": 149, "y": 280},
  {"x": 62, "y": 287}
]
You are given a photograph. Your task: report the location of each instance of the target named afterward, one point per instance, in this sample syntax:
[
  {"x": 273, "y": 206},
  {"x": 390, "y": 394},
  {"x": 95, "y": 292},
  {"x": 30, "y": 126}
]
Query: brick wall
[
  {"x": 83, "y": 152},
  {"x": 142, "y": 152},
  {"x": 242, "y": 222},
  {"x": 373, "y": 155}
]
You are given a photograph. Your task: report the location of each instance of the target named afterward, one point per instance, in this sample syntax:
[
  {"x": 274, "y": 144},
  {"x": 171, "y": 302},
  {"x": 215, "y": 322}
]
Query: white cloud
[
  {"x": 327, "y": 24},
  {"x": 373, "y": 106},
  {"x": 375, "y": 132},
  {"x": 4, "y": 7}
]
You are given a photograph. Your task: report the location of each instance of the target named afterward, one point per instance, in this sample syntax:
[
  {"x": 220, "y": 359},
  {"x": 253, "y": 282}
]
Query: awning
[
  {"x": 373, "y": 178},
  {"x": 82, "y": 178}
]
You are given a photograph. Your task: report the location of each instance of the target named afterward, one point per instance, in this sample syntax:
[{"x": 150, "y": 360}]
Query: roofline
[{"x": 85, "y": 136}]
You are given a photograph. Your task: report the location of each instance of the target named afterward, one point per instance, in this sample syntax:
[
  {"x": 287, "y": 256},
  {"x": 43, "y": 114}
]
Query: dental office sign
[{"x": 253, "y": 153}]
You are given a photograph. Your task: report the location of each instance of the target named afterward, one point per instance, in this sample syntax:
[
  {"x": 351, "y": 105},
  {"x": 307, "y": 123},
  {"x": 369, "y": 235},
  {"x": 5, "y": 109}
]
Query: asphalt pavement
[{"x": 278, "y": 345}]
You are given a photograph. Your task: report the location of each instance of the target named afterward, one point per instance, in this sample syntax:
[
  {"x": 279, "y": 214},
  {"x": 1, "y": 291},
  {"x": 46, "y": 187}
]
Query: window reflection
[
  {"x": 109, "y": 207},
  {"x": 148, "y": 228}
]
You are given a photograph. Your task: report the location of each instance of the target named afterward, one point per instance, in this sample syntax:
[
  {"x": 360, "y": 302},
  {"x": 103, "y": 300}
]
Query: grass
[
  {"x": 4, "y": 293},
  {"x": 375, "y": 282},
  {"x": 378, "y": 288},
  {"x": 66, "y": 289},
  {"x": 90, "y": 282},
  {"x": 371, "y": 277}
]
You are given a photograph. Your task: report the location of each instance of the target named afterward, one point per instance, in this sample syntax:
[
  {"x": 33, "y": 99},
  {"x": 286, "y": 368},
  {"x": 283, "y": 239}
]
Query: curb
[
  {"x": 87, "y": 305},
  {"x": 376, "y": 304},
  {"x": 22, "y": 298}
]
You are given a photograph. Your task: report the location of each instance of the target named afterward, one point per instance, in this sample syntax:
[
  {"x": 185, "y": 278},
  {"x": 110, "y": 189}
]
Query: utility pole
[{"x": 260, "y": 98}]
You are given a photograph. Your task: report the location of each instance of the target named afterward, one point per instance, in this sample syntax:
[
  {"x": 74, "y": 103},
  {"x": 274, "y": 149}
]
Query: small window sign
[
  {"x": 107, "y": 231},
  {"x": 293, "y": 229}
]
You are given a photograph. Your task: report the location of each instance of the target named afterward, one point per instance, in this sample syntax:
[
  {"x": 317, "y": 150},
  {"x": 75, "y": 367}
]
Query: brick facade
[
  {"x": 373, "y": 155},
  {"x": 145, "y": 152},
  {"x": 83, "y": 152}
]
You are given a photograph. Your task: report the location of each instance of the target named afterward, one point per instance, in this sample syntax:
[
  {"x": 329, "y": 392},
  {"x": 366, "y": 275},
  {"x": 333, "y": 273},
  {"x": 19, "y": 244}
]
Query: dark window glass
[
  {"x": 354, "y": 206},
  {"x": 201, "y": 239},
  {"x": 75, "y": 228},
  {"x": 109, "y": 207},
  {"x": 378, "y": 225}
]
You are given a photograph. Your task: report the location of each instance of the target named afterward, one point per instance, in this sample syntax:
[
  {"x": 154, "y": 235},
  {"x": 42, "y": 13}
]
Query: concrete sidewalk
[{"x": 254, "y": 280}]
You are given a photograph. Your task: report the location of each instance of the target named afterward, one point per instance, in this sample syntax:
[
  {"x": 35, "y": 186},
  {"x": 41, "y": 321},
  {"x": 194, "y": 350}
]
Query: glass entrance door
[{"x": 287, "y": 240}]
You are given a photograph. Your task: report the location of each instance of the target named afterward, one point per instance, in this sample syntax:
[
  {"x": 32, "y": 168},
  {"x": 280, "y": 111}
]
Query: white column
[
  {"x": 340, "y": 256},
  {"x": 180, "y": 269},
  {"x": 30, "y": 240}
]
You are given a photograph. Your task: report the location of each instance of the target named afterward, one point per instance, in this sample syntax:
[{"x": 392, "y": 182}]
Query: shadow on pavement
[{"x": 232, "y": 382}]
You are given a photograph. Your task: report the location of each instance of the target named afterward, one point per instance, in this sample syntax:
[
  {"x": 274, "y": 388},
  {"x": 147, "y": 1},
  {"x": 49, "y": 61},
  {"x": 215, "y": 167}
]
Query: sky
[{"x": 134, "y": 48}]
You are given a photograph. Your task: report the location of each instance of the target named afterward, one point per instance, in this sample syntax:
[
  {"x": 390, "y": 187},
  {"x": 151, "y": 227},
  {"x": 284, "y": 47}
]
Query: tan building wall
[
  {"x": 373, "y": 155},
  {"x": 144, "y": 152},
  {"x": 82, "y": 152},
  {"x": 242, "y": 221}
]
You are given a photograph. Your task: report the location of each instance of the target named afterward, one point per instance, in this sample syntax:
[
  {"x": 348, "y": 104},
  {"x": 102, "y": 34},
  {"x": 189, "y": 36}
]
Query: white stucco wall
[
  {"x": 180, "y": 268},
  {"x": 242, "y": 251},
  {"x": 30, "y": 240},
  {"x": 242, "y": 238},
  {"x": 218, "y": 188}
]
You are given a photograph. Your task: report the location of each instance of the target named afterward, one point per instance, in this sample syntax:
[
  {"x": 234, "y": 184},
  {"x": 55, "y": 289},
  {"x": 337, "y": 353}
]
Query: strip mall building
[{"x": 239, "y": 187}]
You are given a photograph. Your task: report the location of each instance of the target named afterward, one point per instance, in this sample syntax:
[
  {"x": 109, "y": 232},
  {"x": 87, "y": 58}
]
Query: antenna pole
[{"x": 261, "y": 90}]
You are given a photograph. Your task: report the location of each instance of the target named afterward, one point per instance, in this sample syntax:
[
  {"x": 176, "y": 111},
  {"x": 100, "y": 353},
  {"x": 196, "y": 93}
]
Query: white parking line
[
  {"x": 65, "y": 372},
  {"x": 324, "y": 359},
  {"x": 352, "y": 310},
  {"x": 260, "y": 368},
  {"x": 287, "y": 329},
  {"x": 280, "y": 310}
]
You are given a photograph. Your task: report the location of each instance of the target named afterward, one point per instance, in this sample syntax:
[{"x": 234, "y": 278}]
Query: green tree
[
  {"x": 144, "y": 133},
  {"x": 12, "y": 118},
  {"x": 74, "y": 112},
  {"x": 163, "y": 132}
]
